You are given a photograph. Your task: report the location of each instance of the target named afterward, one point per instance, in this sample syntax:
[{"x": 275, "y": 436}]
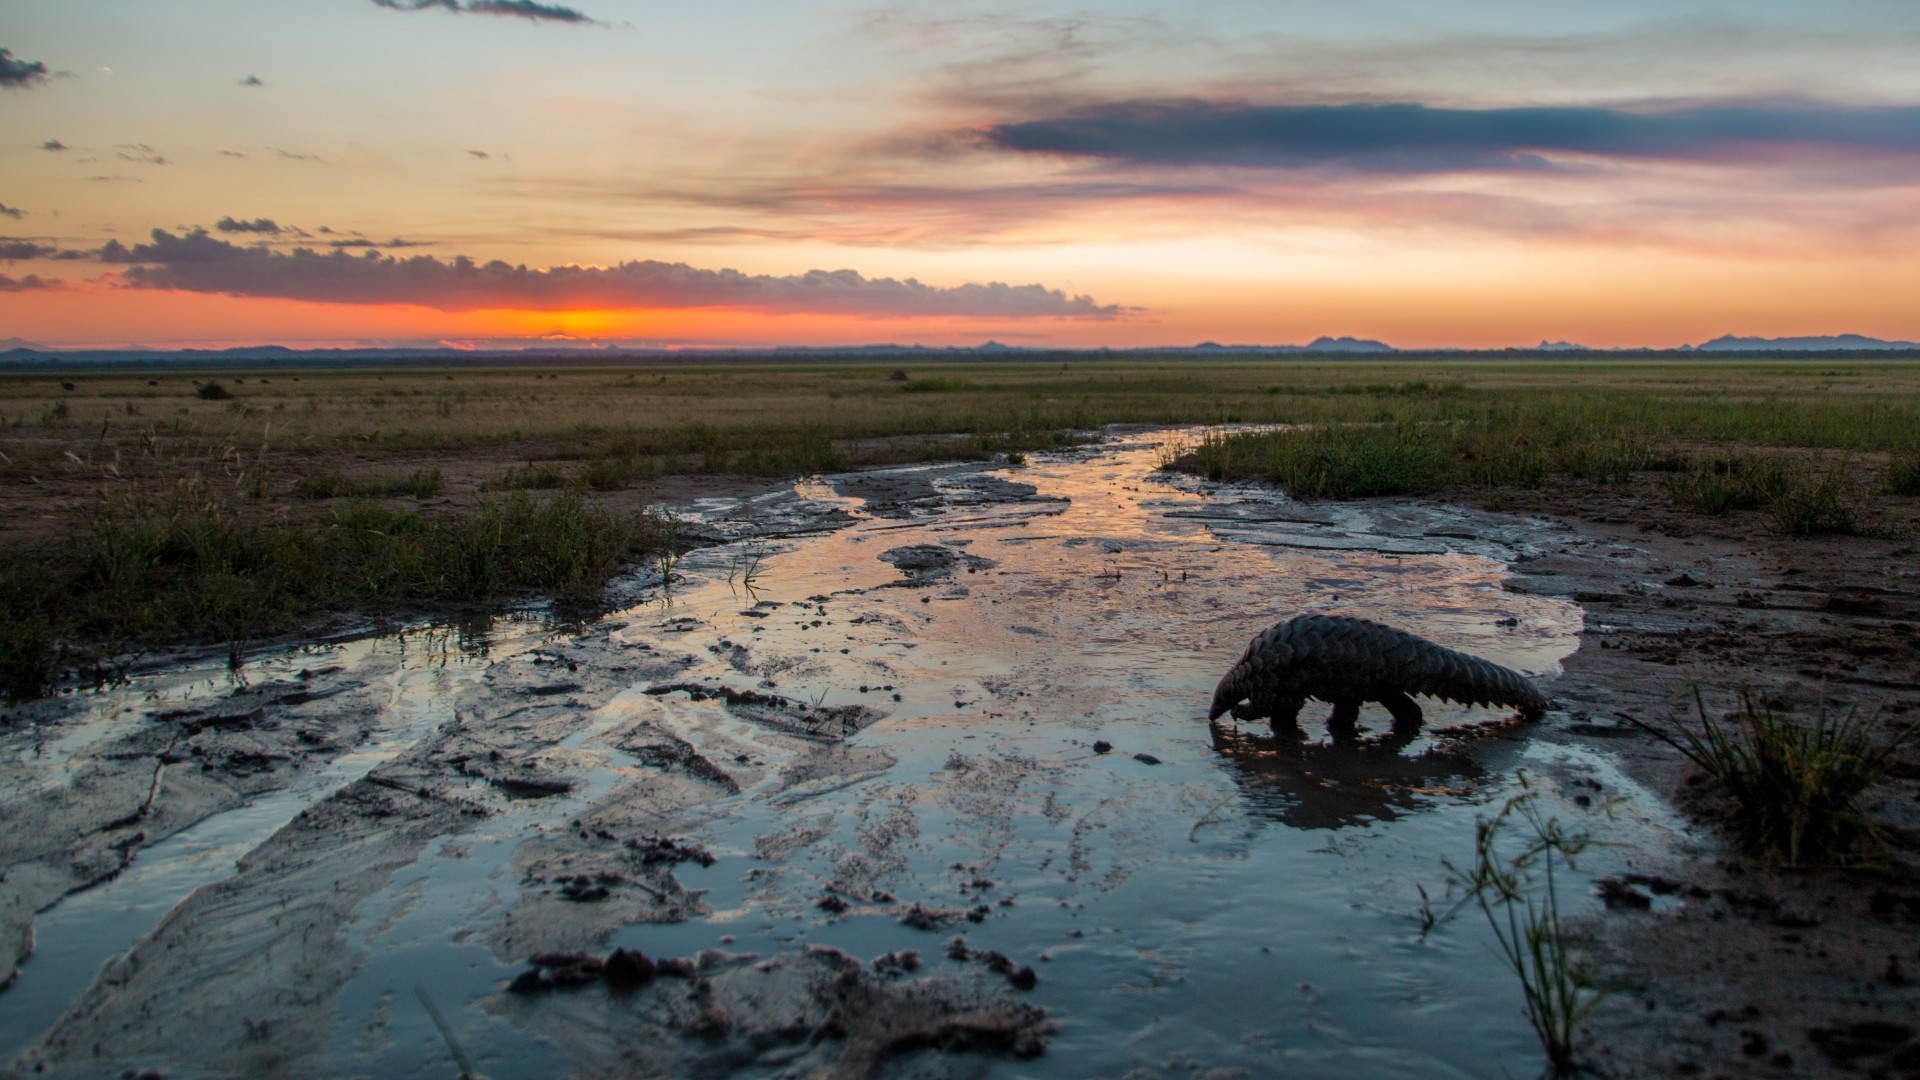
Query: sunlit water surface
[{"x": 1233, "y": 905}]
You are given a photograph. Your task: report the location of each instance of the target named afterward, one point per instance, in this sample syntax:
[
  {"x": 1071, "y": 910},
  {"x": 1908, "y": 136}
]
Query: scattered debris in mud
[{"x": 817, "y": 1012}]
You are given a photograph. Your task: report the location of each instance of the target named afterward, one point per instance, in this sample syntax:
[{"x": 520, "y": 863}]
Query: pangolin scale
[{"x": 1346, "y": 661}]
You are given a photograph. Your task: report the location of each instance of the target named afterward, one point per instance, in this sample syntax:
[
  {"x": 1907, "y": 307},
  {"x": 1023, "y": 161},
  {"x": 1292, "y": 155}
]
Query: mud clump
[
  {"x": 662, "y": 849},
  {"x": 830, "y": 723},
  {"x": 1020, "y": 977},
  {"x": 628, "y": 968},
  {"x": 820, "y": 1012},
  {"x": 925, "y": 564},
  {"x": 903, "y": 962},
  {"x": 921, "y": 917}
]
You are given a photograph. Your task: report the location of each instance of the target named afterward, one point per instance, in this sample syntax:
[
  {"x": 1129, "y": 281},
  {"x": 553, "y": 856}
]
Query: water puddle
[{"x": 1187, "y": 895}]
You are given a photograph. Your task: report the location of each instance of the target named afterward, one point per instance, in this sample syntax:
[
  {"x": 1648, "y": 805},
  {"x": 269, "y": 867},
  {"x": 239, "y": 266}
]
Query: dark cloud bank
[
  {"x": 1417, "y": 138},
  {"x": 522, "y": 9},
  {"x": 19, "y": 74},
  {"x": 203, "y": 263}
]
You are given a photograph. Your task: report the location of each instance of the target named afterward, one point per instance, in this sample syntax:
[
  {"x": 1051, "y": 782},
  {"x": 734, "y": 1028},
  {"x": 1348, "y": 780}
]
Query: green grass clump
[
  {"x": 530, "y": 477},
  {"x": 1329, "y": 463},
  {"x": 1802, "y": 500},
  {"x": 1517, "y": 894},
  {"x": 935, "y": 384},
  {"x": 1796, "y": 786},
  {"x": 335, "y": 484},
  {"x": 1726, "y": 482},
  {"x": 189, "y": 565},
  {"x": 609, "y": 473},
  {"x": 1903, "y": 474},
  {"x": 1832, "y": 501}
]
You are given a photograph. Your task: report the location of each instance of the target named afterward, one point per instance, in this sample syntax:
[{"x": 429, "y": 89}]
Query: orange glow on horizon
[{"x": 1420, "y": 300}]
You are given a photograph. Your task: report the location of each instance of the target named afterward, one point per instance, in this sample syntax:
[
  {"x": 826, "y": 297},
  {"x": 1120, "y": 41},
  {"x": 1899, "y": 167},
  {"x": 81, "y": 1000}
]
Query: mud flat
[
  {"x": 906, "y": 774},
  {"x": 1721, "y": 964}
]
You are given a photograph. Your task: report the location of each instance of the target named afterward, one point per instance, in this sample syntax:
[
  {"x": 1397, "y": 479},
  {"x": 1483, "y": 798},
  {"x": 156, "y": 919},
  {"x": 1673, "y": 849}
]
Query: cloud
[
  {"x": 481, "y": 154},
  {"x": 523, "y": 9},
  {"x": 365, "y": 243},
  {"x": 1412, "y": 138},
  {"x": 21, "y": 74},
  {"x": 291, "y": 155},
  {"x": 200, "y": 262},
  {"x": 12, "y": 250},
  {"x": 53, "y": 144},
  {"x": 30, "y": 283},
  {"x": 257, "y": 225},
  {"x": 252, "y": 80},
  {"x": 12, "y": 211},
  {"x": 140, "y": 153}
]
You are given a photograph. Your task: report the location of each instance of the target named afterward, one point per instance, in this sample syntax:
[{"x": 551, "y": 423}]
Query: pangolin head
[{"x": 1225, "y": 696}]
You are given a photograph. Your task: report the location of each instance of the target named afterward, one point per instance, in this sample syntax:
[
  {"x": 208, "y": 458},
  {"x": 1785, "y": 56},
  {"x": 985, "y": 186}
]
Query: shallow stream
[{"x": 1192, "y": 898}]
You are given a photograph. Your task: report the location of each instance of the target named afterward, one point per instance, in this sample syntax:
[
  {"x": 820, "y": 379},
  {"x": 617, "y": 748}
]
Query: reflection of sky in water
[{"x": 1236, "y": 905}]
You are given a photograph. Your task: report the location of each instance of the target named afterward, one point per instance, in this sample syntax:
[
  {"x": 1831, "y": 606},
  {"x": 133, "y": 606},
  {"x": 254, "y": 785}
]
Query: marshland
[{"x": 443, "y": 685}]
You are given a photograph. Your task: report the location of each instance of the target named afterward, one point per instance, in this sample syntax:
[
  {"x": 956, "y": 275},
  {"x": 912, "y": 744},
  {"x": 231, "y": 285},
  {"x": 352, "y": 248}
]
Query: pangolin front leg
[{"x": 1344, "y": 720}]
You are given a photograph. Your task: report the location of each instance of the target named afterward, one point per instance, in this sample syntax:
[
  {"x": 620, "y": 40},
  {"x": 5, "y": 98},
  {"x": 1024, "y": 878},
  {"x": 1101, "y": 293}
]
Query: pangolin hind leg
[{"x": 1406, "y": 713}]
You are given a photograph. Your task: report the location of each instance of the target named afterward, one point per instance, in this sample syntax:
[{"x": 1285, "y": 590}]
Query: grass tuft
[
  {"x": 1796, "y": 786},
  {"x": 1903, "y": 474},
  {"x": 1517, "y": 894},
  {"x": 1727, "y": 482},
  {"x": 530, "y": 477},
  {"x": 335, "y": 484},
  {"x": 1829, "y": 502},
  {"x": 934, "y": 384},
  {"x": 213, "y": 390}
]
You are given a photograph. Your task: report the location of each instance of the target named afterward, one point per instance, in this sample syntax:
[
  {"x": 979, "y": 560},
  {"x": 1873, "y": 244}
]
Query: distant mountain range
[
  {"x": 18, "y": 354},
  {"x": 1729, "y": 343}
]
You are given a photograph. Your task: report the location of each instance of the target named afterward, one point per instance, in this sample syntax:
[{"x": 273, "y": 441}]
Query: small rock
[
  {"x": 1102, "y": 746},
  {"x": 1146, "y": 759}
]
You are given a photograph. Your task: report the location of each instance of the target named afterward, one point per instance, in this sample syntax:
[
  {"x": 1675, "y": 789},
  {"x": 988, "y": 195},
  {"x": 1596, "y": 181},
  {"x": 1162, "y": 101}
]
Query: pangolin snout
[{"x": 1225, "y": 696}]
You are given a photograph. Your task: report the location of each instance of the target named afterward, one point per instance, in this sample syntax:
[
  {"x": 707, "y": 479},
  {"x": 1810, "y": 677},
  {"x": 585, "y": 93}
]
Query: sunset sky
[{"x": 746, "y": 172}]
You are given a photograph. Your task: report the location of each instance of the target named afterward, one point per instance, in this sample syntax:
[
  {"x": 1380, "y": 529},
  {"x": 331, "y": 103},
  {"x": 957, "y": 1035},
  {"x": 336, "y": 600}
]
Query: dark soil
[{"x": 1760, "y": 970}]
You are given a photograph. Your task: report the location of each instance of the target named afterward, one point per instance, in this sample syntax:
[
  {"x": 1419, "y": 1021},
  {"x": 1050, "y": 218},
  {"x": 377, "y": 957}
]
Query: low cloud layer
[
  {"x": 30, "y": 283},
  {"x": 1411, "y": 138},
  {"x": 20, "y": 74},
  {"x": 202, "y": 263},
  {"x": 521, "y": 9},
  {"x": 258, "y": 225}
]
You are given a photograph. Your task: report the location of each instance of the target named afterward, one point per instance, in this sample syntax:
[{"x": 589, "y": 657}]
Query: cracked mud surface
[{"x": 909, "y": 776}]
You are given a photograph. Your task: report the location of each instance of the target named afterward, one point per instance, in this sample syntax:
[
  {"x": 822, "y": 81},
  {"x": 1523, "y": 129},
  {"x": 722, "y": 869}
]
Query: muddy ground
[
  {"x": 1761, "y": 971},
  {"x": 838, "y": 861}
]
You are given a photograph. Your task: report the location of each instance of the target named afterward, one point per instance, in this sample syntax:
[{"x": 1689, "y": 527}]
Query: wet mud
[
  {"x": 1721, "y": 964},
  {"x": 907, "y": 773}
]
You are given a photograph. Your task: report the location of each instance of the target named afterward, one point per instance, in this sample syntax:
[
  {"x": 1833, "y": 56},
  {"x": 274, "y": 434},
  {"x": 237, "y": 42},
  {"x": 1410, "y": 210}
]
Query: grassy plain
[{"x": 141, "y": 508}]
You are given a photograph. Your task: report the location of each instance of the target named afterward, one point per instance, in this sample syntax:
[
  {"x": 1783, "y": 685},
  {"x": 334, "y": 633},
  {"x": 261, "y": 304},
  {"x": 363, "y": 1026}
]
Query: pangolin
[{"x": 1346, "y": 661}]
